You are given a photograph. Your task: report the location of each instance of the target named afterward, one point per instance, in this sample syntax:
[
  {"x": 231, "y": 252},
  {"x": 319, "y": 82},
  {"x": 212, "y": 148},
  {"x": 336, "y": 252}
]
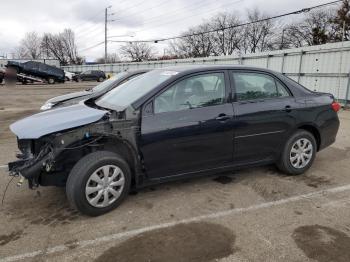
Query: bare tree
[
  {"x": 20, "y": 53},
  {"x": 315, "y": 29},
  {"x": 137, "y": 52},
  {"x": 257, "y": 37},
  {"x": 228, "y": 37},
  {"x": 194, "y": 43},
  {"x": 68, "y": 42},
  {"x": 342, "y": 22},
  {"x": 61, "y": 46},
  {"x": 30, "y": 46}
]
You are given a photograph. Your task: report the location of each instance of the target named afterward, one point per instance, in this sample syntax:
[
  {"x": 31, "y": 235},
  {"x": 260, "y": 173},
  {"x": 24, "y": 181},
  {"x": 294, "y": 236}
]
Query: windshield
[
  {"x": 134, "y": 89},
  {"x": 109, "y": 82}
]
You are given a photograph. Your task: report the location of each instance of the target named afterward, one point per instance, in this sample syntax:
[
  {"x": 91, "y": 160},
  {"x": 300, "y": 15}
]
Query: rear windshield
[{"x": 295, "y": 83}]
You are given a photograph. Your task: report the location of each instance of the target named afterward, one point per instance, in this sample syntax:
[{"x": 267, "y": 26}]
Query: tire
[
  {"x": 289, "y": 162},
  {"x": 51, "y": 80},
  {"x": 82, "y": 175},
  {"x": 100, "y": 79}
]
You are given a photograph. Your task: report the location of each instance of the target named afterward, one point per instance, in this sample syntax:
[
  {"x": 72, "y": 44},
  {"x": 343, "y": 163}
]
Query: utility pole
[
  {"x": 106, "y": 19},
  {"x": 282, "y": 40},
  {"x": 106, "y": 29}
]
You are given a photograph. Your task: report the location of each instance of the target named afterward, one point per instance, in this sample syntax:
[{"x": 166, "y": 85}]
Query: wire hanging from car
[{"x": 4, "y": 194}]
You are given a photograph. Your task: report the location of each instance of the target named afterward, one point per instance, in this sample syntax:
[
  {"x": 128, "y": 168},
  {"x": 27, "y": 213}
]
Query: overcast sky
[{"x": 145, "y": 19}]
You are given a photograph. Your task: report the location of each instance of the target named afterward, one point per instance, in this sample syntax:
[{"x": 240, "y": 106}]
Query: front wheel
[
  {"x": 100, "y": 79},
  {"x": 298, "y": 154},
  {"x": 98, "y": 183}
]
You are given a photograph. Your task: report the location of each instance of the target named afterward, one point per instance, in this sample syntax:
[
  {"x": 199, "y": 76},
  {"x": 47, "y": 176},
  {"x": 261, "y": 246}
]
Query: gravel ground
[{"x": 255, "y": 214}]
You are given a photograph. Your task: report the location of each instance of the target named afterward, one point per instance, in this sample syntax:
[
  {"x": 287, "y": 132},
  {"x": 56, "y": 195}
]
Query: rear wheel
[
  {"x": 51, "y": 80},
  {"x": 298, "y": 153},
  {"x": 98, "y": 183}
]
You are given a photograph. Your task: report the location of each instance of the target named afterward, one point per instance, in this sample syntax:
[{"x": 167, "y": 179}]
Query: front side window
[
  {"x": 132, "y": 90},
  {"x": 192, "y": 92},
  {"x": 251, "y": 86}
]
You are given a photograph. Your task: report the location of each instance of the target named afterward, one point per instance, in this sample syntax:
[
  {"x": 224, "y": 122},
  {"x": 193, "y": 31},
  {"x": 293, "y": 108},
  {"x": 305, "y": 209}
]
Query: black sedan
[
  {"x": 170, "y": 124},
  {"x": 97, "y": 91},
  {"x": 91, "y": 75}
]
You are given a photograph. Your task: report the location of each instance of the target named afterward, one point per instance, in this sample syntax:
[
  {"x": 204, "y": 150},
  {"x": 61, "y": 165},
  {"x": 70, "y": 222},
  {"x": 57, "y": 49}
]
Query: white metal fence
[{"x": 324, "y": 68}]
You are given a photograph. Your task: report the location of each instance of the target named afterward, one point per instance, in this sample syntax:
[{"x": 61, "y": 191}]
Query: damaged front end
[
  {"x": 43, "y": 137},
  {"x": 32, "y": 160},
  {"x": 47, "y": 159}
]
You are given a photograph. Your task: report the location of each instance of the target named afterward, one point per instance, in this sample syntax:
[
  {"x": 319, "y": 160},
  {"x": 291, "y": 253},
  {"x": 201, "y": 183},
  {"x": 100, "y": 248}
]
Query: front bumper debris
[{"x": 31, "y": 167}]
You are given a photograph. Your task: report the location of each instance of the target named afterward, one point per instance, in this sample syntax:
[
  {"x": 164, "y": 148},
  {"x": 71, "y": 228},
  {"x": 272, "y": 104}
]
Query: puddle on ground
[
  {"x": 323, "y": 244},
  {"x": 195, "y": 242},
  {"x": 72, "y": 244},
  {"x": 37, "y": 210},
  {"x": 223, "y": 179},
  {"x": 309, "y": 180},
  {"x": 5, "y": 239}
]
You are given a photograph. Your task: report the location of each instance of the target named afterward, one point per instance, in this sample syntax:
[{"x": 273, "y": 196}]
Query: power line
[
  {"x": 91, "y": 47},
  {"x": 145, "y": 10},
  {"x": 185, "y": 18},
  {"x": 304, "y": 10},
  {"x": 193, "y": 5},
  {"x": 91, "y": 18},
  {"x": 135, "y": 5}
]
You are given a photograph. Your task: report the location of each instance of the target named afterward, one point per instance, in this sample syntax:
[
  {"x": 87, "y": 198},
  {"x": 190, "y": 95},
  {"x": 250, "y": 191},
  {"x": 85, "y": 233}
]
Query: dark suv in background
[
  {"x": 49, "y": 73},
  {"x": 91, "y": 75}
]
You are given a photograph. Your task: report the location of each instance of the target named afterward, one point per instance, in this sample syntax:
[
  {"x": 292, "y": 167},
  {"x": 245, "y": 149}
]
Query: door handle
[
  {"x": 223, "y": 117},
  {"x": 288, "y": 109}
]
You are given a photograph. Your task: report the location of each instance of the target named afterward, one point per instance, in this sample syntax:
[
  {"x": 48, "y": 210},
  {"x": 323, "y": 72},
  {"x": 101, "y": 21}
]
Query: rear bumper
[{"x": 329, "y": 133}]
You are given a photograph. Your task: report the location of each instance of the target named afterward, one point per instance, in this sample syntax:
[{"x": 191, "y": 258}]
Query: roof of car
[
  {"x": 138, "y": 71},
  {"x": 297, "y": 89},
  {"x": 212, "y": 67}
]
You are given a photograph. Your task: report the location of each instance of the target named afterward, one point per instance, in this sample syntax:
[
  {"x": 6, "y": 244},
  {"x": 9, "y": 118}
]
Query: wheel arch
[
  {"x": 314, "y": 131},
  {"x": 81, "y": 148}
]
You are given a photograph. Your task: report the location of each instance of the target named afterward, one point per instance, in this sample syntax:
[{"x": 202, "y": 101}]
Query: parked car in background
[
  {"x": 174, "y": 123},
  {"x": 106, "y": 86},
  {"x": 2, "y": 75},
  {"x": 33, "y": 69},
  {"x": 91, "y": 75},
  {"x": 69, "y": 75}
]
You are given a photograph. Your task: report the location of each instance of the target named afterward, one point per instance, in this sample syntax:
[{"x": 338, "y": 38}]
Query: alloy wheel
[
  {"x": 301, "y": 153},
  {"x": 104, "y": 186}
]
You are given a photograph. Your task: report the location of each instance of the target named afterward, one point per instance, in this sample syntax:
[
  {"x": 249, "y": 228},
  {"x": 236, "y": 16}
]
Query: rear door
[
  {"x": 188, "y": 127},
  {"x": 264, "y": 113}
]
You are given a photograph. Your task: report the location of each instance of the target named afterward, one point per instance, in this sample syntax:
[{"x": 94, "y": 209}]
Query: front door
[
  {"x": 264, "y": 114},
  {"x": 189, "y": 128}
]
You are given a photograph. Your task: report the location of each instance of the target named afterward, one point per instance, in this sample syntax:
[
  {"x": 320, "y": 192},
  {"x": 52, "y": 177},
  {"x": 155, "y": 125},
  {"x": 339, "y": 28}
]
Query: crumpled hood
[
  {"x": 55, "y": 120},
  {"x": 63, "y": 98}
]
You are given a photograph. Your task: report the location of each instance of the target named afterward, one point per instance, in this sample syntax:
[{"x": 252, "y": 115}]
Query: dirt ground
[{"x": 255, "y": 214}]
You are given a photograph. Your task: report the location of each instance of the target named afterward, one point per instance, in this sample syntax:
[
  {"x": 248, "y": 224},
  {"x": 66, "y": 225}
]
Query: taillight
[{"x": 336, "y": 106}]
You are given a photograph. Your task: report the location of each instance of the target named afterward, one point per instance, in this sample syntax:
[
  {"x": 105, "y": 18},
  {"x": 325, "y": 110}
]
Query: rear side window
[{"x": 251, "y": 86}]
